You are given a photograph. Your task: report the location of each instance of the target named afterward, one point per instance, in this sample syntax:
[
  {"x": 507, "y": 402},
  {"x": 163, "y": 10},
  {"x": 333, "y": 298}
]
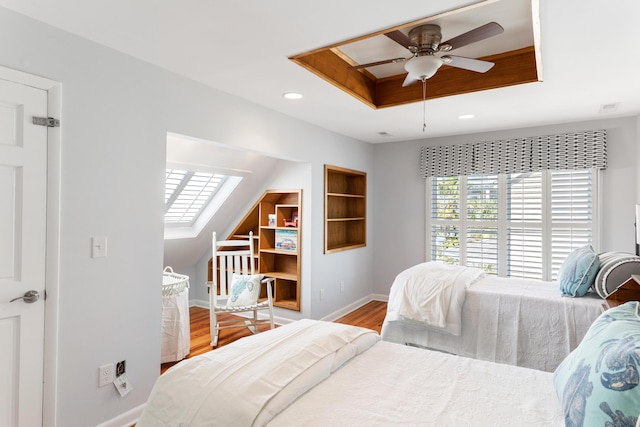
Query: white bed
[
  {"x": 519, "y": 322},
  {"x": 316, "y": 373}
]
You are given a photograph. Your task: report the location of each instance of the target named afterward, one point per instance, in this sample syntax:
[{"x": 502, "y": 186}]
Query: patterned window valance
[{"x": 581, "y": 150}]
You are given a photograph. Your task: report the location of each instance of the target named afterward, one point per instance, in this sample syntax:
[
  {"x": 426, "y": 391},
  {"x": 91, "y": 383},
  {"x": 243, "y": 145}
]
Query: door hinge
[{"x": 46, "y": 121}]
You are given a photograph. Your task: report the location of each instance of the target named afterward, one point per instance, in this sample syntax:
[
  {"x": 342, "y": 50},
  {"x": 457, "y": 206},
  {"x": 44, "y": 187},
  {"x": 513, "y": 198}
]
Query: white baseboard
[
  {"x": 380, "y": 297},
  {"x": 354, "y": 306},
  {"x": 199, "y": 303},
  {"x": 125, "y": 419}
]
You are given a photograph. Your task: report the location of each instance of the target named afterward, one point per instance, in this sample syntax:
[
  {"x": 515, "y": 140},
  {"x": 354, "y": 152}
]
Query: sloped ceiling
[{"x": 255, "y": 168}]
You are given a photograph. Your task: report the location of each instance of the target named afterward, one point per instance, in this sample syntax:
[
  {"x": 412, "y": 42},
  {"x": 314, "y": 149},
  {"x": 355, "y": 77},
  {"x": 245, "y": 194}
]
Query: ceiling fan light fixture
[{"x": 423, "y": 67}]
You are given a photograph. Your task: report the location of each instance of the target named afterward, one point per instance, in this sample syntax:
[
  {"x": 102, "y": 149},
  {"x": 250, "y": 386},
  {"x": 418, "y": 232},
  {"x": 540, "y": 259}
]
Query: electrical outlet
[
  {"x": 321, "y": 294},
  {"x": 123, "y": 385},
  {"x": 341, "y": 286},
  {"x": 105, "y": 375},
  {"x": 121, "y": 368}
]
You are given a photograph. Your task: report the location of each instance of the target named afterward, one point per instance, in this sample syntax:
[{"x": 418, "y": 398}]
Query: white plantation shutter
[
  {"x": 524, "y": 197},
  {"x": 572, "y": 213},
  {"x": 481, "y": 240},
  {"x": 482, "y": 248},
  {"x": 524, "y": 215},
  {"x": 482, "y": 198},
  {"x": 517, "y": 225},
  {"x": 446, "y": 246},
  {"x": 445, "y": 198},
  {"x": 525, "y": 253},
  {"x": 187, "y": 193}
]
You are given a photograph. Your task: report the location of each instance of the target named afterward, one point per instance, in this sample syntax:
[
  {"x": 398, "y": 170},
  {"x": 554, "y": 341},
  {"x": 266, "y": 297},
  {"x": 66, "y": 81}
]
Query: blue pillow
[
  {"x": 598, "y": 382},
  {"x": 578, "y": 271}
]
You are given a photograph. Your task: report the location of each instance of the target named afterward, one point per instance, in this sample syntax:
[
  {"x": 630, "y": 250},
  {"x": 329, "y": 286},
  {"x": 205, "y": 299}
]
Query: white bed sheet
[
  {"x": 393, "y": 385},
  {"x": 514, "y": 321}
]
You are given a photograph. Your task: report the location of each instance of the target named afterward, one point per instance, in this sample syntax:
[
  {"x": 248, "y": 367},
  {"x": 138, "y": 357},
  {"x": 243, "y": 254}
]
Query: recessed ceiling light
[
  {"x": 466, "y": 116},
  {"x": 292, "y": 95}
]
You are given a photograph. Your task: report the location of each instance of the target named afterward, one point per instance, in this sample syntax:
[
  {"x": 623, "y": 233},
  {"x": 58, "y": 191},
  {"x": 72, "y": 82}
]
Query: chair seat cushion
[{"x": 245, "y": 290}]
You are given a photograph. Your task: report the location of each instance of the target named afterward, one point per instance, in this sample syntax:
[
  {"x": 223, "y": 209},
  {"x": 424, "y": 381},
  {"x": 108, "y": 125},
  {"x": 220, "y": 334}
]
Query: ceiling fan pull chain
[{"x": 424, "y": 104}]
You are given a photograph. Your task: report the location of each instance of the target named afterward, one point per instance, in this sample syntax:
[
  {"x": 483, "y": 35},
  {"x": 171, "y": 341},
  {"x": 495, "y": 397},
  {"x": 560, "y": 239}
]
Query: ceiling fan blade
[
  {"x": 470, "y": 64},
  {"x": 373, "y": 64},
  {"x": 400, "y": 38},
  {"x": 409, "y": 80},
  {"x": 488, "y": 30}
]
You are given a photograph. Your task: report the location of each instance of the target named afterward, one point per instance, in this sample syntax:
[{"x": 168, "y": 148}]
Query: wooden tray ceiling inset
[{"x": 512, "y": 67}]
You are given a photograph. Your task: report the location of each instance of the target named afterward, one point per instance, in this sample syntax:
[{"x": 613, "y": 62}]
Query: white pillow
[{"x": 244, "y": 290}]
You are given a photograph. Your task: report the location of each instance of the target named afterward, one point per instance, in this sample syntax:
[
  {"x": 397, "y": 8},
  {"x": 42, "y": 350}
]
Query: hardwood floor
[{"x": 369, "y": 316}]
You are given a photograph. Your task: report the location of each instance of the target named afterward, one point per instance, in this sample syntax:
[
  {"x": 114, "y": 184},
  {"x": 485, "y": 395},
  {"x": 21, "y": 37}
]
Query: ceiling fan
[{"x": 424, "y": 41}]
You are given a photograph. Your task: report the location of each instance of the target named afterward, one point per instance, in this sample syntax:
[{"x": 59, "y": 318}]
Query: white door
[{"x": 23, "y": 184}]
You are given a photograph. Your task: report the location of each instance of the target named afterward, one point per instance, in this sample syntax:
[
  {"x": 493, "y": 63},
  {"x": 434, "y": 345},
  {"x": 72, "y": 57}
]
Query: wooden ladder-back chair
[{"x": 235, "y": 288}]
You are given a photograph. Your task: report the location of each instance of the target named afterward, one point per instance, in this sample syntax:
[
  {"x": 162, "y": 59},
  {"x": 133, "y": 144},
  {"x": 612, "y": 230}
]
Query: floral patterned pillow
[
  {"x": 245, "y": 290},
  {"x": 598, "y": 382}
]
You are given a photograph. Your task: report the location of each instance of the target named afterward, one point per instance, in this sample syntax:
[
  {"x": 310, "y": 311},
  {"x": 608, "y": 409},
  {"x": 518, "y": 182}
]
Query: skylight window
[{"x": 187, "y": 194}]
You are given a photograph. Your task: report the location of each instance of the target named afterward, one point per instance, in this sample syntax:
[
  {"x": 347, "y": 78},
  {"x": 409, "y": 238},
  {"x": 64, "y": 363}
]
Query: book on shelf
[{"x": 287, "y": 240}]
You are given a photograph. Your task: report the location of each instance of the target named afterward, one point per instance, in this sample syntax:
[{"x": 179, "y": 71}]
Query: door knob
[{"x": 28, "y": 297}]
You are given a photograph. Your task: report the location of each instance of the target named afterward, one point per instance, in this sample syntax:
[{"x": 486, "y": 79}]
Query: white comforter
[
  {"x": 432, "y": 294},
  {"x": 271, "y": 379},
  {"x": 250, "y": 381},
  {"x": 392, "y": 385},
  {"x": 521, "y": 322}
]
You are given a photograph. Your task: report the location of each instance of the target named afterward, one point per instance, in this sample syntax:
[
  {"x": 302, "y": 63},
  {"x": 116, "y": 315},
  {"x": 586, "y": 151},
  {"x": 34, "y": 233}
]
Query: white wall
[
  {"x": 399, "y": 221},
  {"x": 116, "y": 112}
]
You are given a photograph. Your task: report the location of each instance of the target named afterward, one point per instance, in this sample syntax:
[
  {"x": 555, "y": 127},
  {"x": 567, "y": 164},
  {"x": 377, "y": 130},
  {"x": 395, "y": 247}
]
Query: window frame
[{"x": 546, "y": 225}]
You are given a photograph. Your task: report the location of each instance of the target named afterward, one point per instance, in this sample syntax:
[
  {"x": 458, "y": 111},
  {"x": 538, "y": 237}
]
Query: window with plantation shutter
[
  {"x": 481, "y": 240},
  {"x": 512, "y": 225},
  {"x": 572, "y": 212},
  {"x": 445, "y": 210},
  {"x": 187, "y": 193},
  {"x": 524, "y": 213}
]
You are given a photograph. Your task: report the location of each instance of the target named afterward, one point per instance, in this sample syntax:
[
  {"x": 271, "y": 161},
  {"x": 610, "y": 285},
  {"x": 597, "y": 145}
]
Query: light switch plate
[{"x": 98, "y": 247}]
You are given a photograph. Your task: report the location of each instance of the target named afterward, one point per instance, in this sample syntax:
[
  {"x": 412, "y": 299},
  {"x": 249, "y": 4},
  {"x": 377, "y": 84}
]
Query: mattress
[{"x": 519, "y": 322}]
